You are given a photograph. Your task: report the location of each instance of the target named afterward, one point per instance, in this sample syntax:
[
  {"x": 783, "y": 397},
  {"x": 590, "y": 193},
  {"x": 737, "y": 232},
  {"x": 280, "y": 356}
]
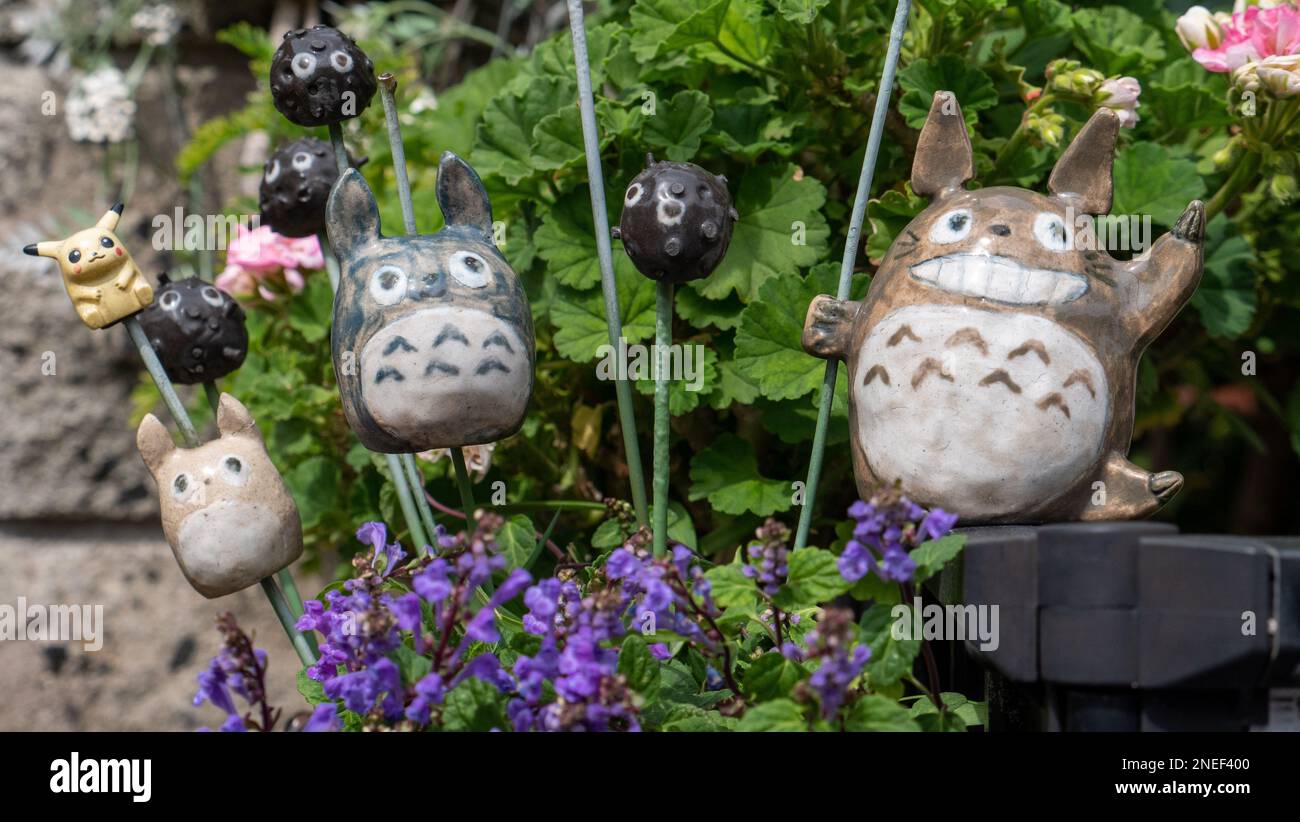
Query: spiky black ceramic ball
[
  {"x": 677, "y": 221},
  {"x": 296, "y": 182},
  {"x": 320, "y": 76},
  {"x": 197, "y": 330}
]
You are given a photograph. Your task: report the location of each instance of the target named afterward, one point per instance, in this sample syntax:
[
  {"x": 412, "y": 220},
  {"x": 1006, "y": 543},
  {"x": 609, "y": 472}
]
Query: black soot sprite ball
[
  {"x": 677, "y": 221},
  {"x": 296, "y": 183},
  {"x": 197, "y": 330},
  {"x": 319, "y": 76}
]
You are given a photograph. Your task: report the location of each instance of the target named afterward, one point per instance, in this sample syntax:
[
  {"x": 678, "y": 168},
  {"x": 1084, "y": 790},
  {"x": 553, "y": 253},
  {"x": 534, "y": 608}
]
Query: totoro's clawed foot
[{"x": 1165, "y": 484}]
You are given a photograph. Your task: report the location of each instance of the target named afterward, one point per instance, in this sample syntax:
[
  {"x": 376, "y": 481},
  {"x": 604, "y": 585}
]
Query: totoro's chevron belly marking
[{"x": 982, "y": 412}]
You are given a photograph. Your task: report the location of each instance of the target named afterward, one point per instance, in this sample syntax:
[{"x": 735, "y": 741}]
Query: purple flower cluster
[
  {"x": 362, "y": 624},
  {"x": 238, "y": 669},
  {"x": 769, "y": 557},
  {"x": 831, "y": 644},
  {"x": 885, "y": 529}
]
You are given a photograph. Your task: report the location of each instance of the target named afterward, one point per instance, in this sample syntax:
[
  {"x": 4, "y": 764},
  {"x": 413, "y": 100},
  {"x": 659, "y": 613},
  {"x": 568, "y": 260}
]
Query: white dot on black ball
[
  {"x": 342, "y": 61},
  {"x": 672, "y": 209},
  {"x": 304, "y": 65},
  {"x": 301, "y": 161}
]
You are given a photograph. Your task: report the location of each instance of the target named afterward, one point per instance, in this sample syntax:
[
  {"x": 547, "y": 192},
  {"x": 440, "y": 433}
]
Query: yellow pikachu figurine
[{"x": 103, "y": 281}]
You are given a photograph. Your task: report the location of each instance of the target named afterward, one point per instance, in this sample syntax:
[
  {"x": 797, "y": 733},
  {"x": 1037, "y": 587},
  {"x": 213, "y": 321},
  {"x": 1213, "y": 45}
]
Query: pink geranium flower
[
  {"x": 1251, "y": 35},
  {"x": 257, "y": 255}
]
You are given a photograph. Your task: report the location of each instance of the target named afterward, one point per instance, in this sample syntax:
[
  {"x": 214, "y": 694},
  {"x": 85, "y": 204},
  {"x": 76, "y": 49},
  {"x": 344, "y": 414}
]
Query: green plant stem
[
  {"x": 551, "y": 505},
  {"x": 848, "y": 261},
  {"x": 282, "y": 611},
  {"x": 608, "y": 283},
  {"x": 663, "y": 342},
  {"x": 416, "y": 479},
  {"x": 1018, "y": 140},
  {"x": 214, "y": 396},
  {"x": 466, "y": 489},
  {"x": 1240, "y": 178},
  {"x": 747, "y": 63},
  {"x": 407, "y": 504}
]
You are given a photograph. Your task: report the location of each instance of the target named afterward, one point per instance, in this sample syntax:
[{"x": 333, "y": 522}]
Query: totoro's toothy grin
[{"x": 1001, "y": 279}]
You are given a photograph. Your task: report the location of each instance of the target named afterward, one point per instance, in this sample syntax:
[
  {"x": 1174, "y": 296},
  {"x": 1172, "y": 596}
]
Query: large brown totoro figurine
[
  {"x": 226, "y": 512},
  {"x": 992, "y": 363}
]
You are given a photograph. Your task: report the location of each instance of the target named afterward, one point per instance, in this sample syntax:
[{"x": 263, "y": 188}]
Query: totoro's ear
[
  {"x": 49, "y": 248},
  {"x": 1082, "y": 176},
  {"x": 109, "y": 221},
  {"x": 944, "y": 159},
  {"x": 828, "y": 325},
  {"x": 233, "y": 418},
  {"x": 461, "y": 195},
  {"x": 154, "y": 443},
  {"x": 351, "y": 215}
]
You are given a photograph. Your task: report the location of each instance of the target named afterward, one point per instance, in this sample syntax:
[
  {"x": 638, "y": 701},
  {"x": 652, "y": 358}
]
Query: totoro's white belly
[{"x": 985, "y": 413}]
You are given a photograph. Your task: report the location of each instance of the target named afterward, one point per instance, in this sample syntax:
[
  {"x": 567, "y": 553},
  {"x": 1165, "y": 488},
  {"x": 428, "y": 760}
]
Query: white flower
[
  {"x": 1199, "y": 29},
  {"x": 157, "y": 24},
  {"x": 1121, "y": 95},
  {"x": 478, "y": 458},
  {"x": 1278, "y": 74},
  {"x": 426, "y": 100},
  {"x": 99, "y": 108}
]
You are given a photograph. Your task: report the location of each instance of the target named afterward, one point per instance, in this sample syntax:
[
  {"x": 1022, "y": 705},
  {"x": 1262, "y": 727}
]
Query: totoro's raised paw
[
  {"x": 1165, "y": 484},
  {"x": 828, "y": 325}
]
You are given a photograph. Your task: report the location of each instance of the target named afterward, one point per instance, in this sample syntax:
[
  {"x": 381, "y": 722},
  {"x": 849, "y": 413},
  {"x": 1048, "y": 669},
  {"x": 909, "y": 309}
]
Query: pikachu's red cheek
[
  {"x": 118, "y": 251},
  {"x": 77, "y": 269}
]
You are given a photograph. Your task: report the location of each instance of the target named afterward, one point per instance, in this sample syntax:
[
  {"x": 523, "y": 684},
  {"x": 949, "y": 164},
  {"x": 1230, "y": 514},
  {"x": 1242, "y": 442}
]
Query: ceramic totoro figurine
[
  {"x": 432, "y": 335},
  {"x": 197, "y": 330},
  {"x": 226, "y": 512},
  {"x": 992, "y": 363},
  {"x": 103, "y": 281}
]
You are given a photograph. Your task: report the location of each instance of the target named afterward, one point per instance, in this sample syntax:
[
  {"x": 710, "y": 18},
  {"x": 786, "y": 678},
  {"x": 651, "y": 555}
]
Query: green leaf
[
  {"x": 609, "y": 534},
  {"x": 579, "y": 317},
  {"x": 874, "y": 712},
  {"x": 888, "y": 215},
  {"x": 800, "y": 11},
  {"x": 814, "y": 578},
  {"x": 1150, "y": 182},
  {"x": 891, "y": 658},
  {"x": 504, "y": 144},
  {"x": 412, "y": 666},
  {"x": 732, "y": 387},
  {"x": 931, "y": 556},
  {"x": 566, "y": 241},
  {"x": 685, "y": 394},
  {"x": 557, "y": 140},
  {"x": 771, "y": 677},
  {"x": 1116, "y": 41},
  {"x": 314, "y": 483},
  {"x": 731, "y": 588},
  {"x": 700, "y": 312},
  {"x": 678, "y": 124},
  {"x": 779, "y": 715},
  {"x": 726, "y": 473},
  {"x": 1225, "y": 299},
  {"x": 921, "y": 78},
  {"x": 667, "y": 26},
  {"x": 971, "y": 714},
  {"x": 690, "y": 719},
  {"x": 769, "y": 348},
  {"x": 638, "y": 665},
  {"x": 517, "y": 540},
  {"x": 310, "y": 689},
  {"x": 781, "y": 229},
  {"x": 474, "y": 705},
  {"x": 312, "y": 311}
]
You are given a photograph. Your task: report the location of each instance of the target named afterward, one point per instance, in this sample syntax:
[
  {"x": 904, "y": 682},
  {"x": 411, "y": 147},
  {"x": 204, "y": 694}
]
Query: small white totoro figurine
[{"x": 226, "y": 512}]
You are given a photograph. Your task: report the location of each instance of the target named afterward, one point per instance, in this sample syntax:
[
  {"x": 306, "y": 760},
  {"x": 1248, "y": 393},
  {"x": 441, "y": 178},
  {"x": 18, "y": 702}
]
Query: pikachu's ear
[
  {"x": 944, "y": 159},
  {"x": 109, "y": 221},
  {"x": 461, "y": 196},
  {"x": 49, "y": 248},
  {"x": 233, "y": 418},
  {"x": 154, "y": 442},
  {"x": 351, "y": 215},
  {"x": 1082, "y": 176}
]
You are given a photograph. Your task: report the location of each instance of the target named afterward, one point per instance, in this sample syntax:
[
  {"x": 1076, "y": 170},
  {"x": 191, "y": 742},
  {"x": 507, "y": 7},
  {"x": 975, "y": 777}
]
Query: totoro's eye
[
  {"x": 169, "y": 300},
  {"x": 469, "y": 269},
  {"x": 301, "y": 161},
  {"x": 388, "y": 285},
  {"x": 74, "y": 256},
  {"x": 304, "y": 65},
  {"x": 1050, "y": 231},
  {"x": 951, "y": 227},
  {"x": 233, "y": 470},
  {"x": 273, "y": 172},
  {"x": 211, "y": 296},
  {"x": 182, "y": 487},
  {"x": 106, "y": 242},
  {"x": 341, "y": 61}
]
